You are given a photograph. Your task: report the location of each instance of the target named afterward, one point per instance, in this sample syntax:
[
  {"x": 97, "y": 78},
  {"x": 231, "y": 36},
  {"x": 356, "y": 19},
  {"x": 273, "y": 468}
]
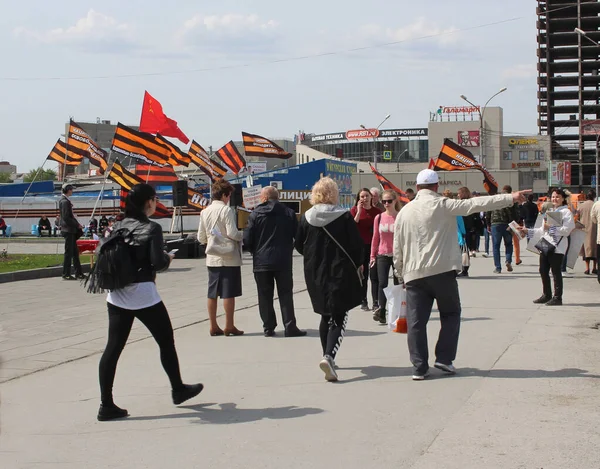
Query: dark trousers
[
  {"x": 71, "y": 255},
  {"x": 369, "y": 274},
  {"x": 552, "y": 262},
  {"x": 383, "y": 275},
  {"x": 564, "y": 261},
  {"x": 265, "y": 284},
  {"x": 420, "y": 294},
  {"x": 156, "y": 319},
  {"x": 331, "y": 331}
]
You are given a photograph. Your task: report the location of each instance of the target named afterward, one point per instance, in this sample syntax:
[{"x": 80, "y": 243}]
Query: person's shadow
[{"x": 229, "y": 413}]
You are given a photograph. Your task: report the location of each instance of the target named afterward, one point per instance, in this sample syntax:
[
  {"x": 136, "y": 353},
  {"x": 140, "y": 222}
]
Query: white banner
[{"x": 251, "y": 196}]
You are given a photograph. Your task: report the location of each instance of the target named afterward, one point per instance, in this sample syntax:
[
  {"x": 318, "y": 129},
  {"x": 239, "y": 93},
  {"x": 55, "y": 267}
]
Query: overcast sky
[{"x": 262, "y": 66}]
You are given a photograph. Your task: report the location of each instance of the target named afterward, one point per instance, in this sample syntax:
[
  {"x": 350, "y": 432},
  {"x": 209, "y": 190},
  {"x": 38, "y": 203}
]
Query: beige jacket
[
  {"x": 595, "y": 216},
  {"x": 221, "y": 216},
  {"x": 425, "y": 232}
]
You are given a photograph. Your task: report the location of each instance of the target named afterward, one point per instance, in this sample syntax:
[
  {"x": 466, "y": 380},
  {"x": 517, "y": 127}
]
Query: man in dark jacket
[
  {"x": 44, "y": 225},
  {"x": 69, "y": 227},
  {"x": 529, "y": 212},
  {"x": 498, "y": 223},
  {"x": 270, "y": 238}
]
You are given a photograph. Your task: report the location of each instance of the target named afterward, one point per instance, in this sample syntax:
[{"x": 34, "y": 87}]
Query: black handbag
[{"x": 545, "y": 247}]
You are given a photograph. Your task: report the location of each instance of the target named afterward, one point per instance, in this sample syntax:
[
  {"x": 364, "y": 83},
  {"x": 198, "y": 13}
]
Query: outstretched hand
[{"x": 520, "y": 196}]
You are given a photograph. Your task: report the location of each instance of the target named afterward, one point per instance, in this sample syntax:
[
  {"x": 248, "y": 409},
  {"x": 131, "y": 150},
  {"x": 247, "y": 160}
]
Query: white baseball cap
[{"x": 427, "y": 176}]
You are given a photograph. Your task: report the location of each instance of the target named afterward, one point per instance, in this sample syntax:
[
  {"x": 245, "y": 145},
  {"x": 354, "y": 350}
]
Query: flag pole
[{"x": 101, "y": 193}]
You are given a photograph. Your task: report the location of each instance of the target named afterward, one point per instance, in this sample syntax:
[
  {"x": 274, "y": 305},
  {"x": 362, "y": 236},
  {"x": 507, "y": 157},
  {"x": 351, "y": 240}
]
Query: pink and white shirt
[{"x": 383, "y": 236}]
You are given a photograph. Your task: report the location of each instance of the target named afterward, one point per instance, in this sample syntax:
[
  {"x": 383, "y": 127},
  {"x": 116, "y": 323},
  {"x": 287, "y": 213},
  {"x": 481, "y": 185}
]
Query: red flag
[
  {"x": 387, "y": 185},
  {"x": 431, "y": 163},
  {"x": 154, "y": 120}
]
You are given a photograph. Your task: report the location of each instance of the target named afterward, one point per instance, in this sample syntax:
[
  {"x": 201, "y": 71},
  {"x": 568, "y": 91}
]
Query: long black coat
[{"x": 332, "y": 281}]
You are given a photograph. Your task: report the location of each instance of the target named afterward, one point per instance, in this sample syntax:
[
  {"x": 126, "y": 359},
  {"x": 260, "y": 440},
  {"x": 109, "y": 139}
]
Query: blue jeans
[{"x": 500, "y": 232}]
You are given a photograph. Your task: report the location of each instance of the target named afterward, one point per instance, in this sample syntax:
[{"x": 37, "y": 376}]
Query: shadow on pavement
[
  {"x": 376, "y": 372},
  {"x": 229, "y": 413},
  {"x": 179, "y": 269},
  {"x": 512, "y": 276},
  {"x": 474, "y": 319}
]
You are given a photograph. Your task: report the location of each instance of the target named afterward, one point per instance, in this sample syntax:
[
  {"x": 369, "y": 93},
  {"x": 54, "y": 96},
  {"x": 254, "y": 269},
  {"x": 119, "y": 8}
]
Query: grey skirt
[{"x": 224, "y": 282}]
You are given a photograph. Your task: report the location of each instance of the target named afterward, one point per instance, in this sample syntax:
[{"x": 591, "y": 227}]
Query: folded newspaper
[
  {"x": 554, "y": 218},
  {"x": 514, "y": 226}
]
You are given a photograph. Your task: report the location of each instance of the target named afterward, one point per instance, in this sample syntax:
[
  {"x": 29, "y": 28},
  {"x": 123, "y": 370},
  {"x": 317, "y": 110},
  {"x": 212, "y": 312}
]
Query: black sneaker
[
  {"x": 375, "y": 307},
  {"x": 542, "y": 300},
  {"x": 269, "y": 332},
  {"x": 377, "y": 315},
  {"x": 188, "y": 391},
  {"x": 68, "y": 277},
  {"x": 80, "y": 277},
  {"x": 111, "y": 412},
  {"x": 555, "y": 301},
  {"x": 364, "y": 306}
]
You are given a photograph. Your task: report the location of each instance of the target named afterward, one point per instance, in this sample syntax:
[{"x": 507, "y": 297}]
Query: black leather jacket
[{"x": 148, "y": 253}]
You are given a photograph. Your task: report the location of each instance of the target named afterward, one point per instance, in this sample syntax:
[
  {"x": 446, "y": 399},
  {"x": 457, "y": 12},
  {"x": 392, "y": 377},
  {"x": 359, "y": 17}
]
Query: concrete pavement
[{"x": 526, "y": 395}]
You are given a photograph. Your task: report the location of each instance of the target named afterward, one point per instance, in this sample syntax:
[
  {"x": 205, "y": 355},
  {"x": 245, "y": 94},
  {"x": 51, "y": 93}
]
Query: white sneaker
[
  {"x": 447, "y": 368},
  {"x": 485, "y": 255},
  {"x": 420, "y": 377},
  {"x": 327, "y": 366}
]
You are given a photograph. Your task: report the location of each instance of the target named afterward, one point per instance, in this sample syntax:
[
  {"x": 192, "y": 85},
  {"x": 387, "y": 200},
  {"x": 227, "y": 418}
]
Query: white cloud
[
  {"x": 229, "y": 33},
  {"x": 95, "y": 32},
  {"x": 520, "y": 71},
  {"x": 420, "y": 29}
]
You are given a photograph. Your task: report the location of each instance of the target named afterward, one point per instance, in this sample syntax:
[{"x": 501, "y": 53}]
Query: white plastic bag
[{"x": 396, "y": 304}]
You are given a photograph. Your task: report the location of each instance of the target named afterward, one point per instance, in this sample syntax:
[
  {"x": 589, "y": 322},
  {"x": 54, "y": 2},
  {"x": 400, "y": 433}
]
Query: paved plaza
[{"x": 526, "y": 395}]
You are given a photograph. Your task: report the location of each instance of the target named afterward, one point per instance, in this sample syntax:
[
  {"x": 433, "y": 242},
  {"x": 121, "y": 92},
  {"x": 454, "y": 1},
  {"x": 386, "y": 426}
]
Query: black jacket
[
  {"x": 44, "y": 224},
  {"x": 331, "y": 279},
  {"x": 529, "y": 212},
  {"x": 270, "y": 236},
  {"x": 148, "y": 254},
  {"x": 68, "y": 222}
]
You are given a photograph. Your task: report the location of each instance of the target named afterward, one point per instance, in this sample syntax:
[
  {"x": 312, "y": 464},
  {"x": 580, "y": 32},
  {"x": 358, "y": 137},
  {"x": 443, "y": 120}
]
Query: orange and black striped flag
[
  {"x": 140, "y": 145},
  {"x": 232, "y": 158},
  {"x": 177, "y": 157},
  {"x": 79, "y": 141},
  {"x": 255, "y": 145},
  {"x": 123, "y": 177},
  {"x": 155, "y": 175},
  {"x": 201, "y": 158},
  {"x": 196, "y": 199},
  {"x": 160, "y": 212},
  {"x": 60, "y": 154},
  {"x": 453, "y": 157},
  {"x": 388, "y": 186}
]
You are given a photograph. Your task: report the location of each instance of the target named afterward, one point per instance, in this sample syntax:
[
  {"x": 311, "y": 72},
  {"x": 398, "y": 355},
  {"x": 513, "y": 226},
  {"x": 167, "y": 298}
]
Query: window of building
[
  {"x": 539, "y": 155},
  {"x": 523, "y": 155},
  {"x": 508, "y": 155}
]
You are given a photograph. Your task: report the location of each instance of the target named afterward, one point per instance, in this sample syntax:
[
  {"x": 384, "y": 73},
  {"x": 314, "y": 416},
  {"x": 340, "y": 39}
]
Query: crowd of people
[{"x": 424, "y": 245}]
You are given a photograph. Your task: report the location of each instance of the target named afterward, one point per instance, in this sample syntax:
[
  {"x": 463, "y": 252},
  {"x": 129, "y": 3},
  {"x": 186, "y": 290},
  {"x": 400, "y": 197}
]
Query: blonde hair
[
  {"x": 325, "y": 191},
  {"x": 447, "y": 193},
  {"x": 397, "y": 204}
]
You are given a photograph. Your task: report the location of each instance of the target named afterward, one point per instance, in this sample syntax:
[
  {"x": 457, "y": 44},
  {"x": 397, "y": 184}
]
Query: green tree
[
  {"x": 4, "y": 178},
  {"x": 45, "y": 175}
]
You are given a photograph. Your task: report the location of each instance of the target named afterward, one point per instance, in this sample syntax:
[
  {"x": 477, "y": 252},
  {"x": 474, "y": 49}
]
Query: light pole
[
  {"x": 481, "y": 113},
  {"x": 375, "y": 140},
  {"x": 582, "y": 33}
]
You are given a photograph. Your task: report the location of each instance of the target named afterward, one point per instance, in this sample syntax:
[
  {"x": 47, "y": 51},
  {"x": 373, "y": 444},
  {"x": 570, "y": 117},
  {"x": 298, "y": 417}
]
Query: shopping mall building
[{"x": 518, "y": 160}]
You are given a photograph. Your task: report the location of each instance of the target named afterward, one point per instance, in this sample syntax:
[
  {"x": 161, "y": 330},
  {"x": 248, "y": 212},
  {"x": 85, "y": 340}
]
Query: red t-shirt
[{"x": 365, "y": 223}]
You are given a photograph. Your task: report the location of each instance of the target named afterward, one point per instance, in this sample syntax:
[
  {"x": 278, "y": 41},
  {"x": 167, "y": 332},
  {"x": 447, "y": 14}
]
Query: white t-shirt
[{"x": 135, "y": 296}]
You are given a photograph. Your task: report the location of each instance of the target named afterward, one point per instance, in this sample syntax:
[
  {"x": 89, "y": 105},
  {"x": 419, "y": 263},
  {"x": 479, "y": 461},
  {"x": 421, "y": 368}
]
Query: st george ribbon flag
[
  {"x": 142, "y": 146},
  {"x": 387, "y": 185},
  {"x": 79, "y": 141},
  {"x": 155, "y": 175},
  {"x": 60, "y": 154},
  {"x": 178, "y": 157},
  {"x": 154, "y": 120},
  {"x": 196, "y": 199},
  {"x": 160, "y": 212},
  {"x": 231, "y": 157},
  {"x": 201, "y": 158},
  {"x": 453, "y": 157},
  {"x": 255, "y": 145}
]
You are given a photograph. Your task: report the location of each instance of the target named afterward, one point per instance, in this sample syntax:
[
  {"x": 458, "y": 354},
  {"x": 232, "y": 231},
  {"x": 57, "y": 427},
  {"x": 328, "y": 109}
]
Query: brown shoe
[
  {"x": 234, "y": 331},
  {"x": 216, "y": 332}
]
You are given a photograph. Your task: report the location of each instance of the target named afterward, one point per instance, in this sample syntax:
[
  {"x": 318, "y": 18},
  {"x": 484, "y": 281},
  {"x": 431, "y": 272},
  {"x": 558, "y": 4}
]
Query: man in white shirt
[{"x": 427, "y": 260}]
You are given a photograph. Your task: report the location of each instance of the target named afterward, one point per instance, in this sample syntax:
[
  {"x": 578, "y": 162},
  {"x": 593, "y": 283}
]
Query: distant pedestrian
[
  {"x": 588, "y": 250},
  {"x": 596, "y": 219},
  {"x": 498, "y": 222},
  {"x": 269, "y": 236},
  {"x": 552, "y": 260},
  {"x": 141, "y": 300},
  {"x": 364, "y": 215},
  {"x": 410, "y": 194},
  {"x": 529, "y": 212},
  {"x": 332, "y": 247},
  {"x": 71, "y": 230},
  {"x": 218, "y": 227},
  {"x": 427, "y": 261},
  {"x": 44, "y": 225},
  {"x": 376, "y": 201}
]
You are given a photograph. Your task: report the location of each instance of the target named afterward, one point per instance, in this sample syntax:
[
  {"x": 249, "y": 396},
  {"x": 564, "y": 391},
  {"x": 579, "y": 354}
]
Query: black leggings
[
  {"x": 552, "y": 262},
  {"x": 369, "y": 274},
  {"x": 156, "y": 319},
  {"x": 383, "y": 274},
  {"x": 332, "y": 330}
]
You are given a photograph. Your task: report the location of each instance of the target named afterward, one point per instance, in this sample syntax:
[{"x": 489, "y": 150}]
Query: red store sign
[{"x": 362, "y": 133}]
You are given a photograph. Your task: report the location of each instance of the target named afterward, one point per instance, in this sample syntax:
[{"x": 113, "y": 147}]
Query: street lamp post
[
  {"x": 481, "y": 113},
  {"x": 375, "y": 140},
  {"x": 582, "y": 33}
]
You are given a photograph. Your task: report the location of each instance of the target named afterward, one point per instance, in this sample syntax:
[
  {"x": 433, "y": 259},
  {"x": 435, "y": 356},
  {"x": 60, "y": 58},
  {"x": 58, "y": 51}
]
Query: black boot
[
  {"x": 111, "y": 412},
  {"x": 555, "y": 301},
  {"x": 542, "y": 300},
  {"x": 464, "y": 272},
  {"x": 187, "y": 392}
]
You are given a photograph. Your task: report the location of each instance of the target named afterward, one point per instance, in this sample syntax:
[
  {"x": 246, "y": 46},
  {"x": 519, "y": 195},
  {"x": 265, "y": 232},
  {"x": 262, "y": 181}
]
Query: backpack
[{"x": 114, "y": 267}]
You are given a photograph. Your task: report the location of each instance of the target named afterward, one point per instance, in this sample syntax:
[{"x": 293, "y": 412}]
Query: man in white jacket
[{"x": 427, "y": 260}]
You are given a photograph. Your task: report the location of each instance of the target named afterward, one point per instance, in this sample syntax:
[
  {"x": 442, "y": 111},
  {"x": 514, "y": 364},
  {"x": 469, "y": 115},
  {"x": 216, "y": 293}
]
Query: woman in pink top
[{"x": 382, "y": 248}]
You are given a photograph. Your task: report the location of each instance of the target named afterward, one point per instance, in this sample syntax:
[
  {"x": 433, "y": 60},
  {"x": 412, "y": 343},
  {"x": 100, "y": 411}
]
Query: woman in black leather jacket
[{"x": 141, "y": 300}]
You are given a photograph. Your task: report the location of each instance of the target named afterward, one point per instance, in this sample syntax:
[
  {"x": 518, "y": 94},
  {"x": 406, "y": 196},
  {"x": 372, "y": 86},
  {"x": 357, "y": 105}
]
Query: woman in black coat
[{"x": 332, "y": 248}]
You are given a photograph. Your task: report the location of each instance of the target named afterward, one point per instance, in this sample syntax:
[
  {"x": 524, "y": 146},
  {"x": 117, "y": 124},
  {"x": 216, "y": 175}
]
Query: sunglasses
[{"x": 388, "y": 201}]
